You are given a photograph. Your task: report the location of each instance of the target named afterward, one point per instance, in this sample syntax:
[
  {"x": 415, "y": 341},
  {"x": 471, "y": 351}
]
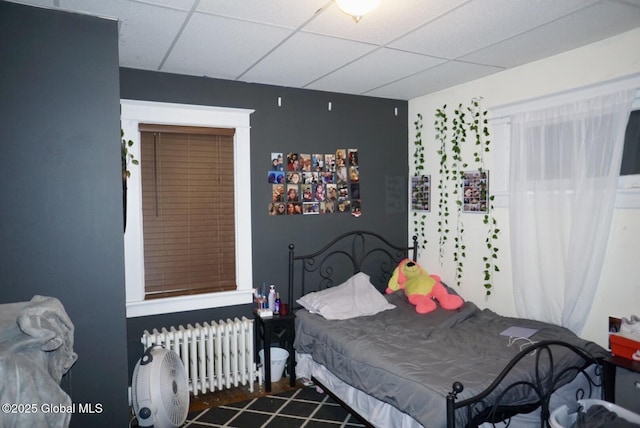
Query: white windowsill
[{"x": 188, "y": 303}]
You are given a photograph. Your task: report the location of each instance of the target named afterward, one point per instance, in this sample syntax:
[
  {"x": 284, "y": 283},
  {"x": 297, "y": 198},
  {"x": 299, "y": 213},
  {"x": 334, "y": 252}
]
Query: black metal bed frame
[
  {"x": 355, "y": 248},
  {"x": 544, "y": 384}
]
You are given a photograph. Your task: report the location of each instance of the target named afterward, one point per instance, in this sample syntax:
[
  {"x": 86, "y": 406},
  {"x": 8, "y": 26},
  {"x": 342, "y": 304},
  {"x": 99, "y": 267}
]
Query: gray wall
[
  {"x": 302, "y": 124},
  {"x": 61, "y": 207}
]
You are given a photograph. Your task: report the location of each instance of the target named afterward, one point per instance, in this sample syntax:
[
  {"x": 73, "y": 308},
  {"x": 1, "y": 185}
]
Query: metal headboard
[{"x": 345, "y": 255}]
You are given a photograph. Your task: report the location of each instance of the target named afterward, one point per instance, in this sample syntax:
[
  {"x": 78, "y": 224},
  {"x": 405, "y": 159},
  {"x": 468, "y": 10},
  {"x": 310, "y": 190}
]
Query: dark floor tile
[
  {"x": 310, "y": 394},
  {"x": 322, "y": 424},
  {"x": 249, "y": 419},
  {"x": 268, "y": 404},
  {"x": 299, "y": 408},
  {"x": 240, "y": 404},
  {"x": 353, "y": 422},
  {"x": 331, "y": 412},
  {"x": 286, "y": 394},
  {"x": 218, "y": 415},
  {"x": 285, "y": 422}
]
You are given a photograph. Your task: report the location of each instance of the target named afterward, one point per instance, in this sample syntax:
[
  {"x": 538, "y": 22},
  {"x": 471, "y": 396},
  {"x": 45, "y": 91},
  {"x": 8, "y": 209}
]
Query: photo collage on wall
[
  {"x": 476, "y": 192},
  {"x": 421, "y": 193},
  {"x": 315, "y": 183}
]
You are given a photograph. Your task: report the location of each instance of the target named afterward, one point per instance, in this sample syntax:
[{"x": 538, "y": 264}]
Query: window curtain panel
[{"x": 564, "y": 167}]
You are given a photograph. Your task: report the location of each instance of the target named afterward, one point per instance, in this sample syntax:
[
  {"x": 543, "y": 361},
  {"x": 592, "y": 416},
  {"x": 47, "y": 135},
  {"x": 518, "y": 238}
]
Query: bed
[{"x": 393, "y": 367}]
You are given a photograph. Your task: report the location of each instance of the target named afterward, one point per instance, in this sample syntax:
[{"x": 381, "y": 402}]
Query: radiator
[{"x": 216, "y": 356}]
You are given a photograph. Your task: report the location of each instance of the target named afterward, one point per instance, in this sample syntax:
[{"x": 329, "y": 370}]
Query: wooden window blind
[{"x": 188, "y": 210}]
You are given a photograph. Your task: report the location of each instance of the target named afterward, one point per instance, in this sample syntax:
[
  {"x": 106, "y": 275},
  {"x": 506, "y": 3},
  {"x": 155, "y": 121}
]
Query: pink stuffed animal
[{"x": 421, "y": 288}]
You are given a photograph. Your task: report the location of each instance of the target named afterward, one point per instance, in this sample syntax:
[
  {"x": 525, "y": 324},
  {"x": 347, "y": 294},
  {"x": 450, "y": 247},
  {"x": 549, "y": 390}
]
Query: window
[
  {"x": 631, "y": 154},
  {"x": 628, "y": 194},
  {"x": 134, "y": 113},
  {"x": 187, "y": 210}
]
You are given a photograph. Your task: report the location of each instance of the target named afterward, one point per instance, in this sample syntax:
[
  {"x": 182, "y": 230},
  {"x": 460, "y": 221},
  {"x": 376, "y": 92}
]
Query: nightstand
[
  {"x": 281, "y": 329},
  {"x": 621, "y": 382}
]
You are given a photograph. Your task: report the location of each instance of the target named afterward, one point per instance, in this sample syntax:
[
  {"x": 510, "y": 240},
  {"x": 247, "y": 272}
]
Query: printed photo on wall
[
  {"x": 353, "y": 157},
  {"x": 355, "y": 208},
  {"x": 317, "y": 162},
  {"x": 305, "y": 162},
  {"x": 311, "y": 208},
  {"x": 294, "y": 208},
  {"x": 475, "y": 193},
  {"x": 421, "y": 193},
  {"x": 310, "y": 177},
  {"x": 275, "y": 177},
  {"x": 293, "y": 177},
  {"x": 332, "y": 192},
  {"x": 293, "y": 194},
  {"x": 355, "y": 190},
  {"x": 293, "y": 162},
  {"x": 307, "y": 193},
  {"x": 278, "y": 193},
  {"x": 354, "y": 174},
  {"x": 277, "y": 208},
  {"x": 319, "y": 194},
  {"x": 327, "y": 207},
  {"x": 330, "y": 162},
  {"x": 343, "y": 191},
  {"x": 277, "y": 163},
  {"x": 344, "y": 207}
]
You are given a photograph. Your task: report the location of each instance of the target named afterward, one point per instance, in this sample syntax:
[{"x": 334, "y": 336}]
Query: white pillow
[{"x": 353, "y": 298}]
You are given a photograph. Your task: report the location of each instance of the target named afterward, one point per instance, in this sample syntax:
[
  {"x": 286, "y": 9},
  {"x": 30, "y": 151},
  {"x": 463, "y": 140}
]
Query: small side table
[
  {"x": 629, "y": 380},
  {"x": 279, "y": 328}
]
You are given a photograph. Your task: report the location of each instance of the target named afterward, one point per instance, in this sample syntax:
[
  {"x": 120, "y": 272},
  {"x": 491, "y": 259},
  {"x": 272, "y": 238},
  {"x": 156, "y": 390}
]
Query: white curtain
[{"x": 564, "y": 167}]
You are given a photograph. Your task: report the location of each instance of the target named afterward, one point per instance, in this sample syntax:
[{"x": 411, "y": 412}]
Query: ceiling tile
[
  {"x": 304, "y": 58},
  {"x": 221, "y": 47},
  {"x": 146, "y": 31},
  {"x": 481, "y": 23},
  {"x": 389, "y": 21},
  {"x": 587, "y": 25},
  {"x": 435, "y": 79},
  {"x": 374, "y": 70},
  {"x": 286, "y": 13}
]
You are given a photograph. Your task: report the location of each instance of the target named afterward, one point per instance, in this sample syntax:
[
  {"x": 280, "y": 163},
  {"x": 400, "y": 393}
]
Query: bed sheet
[{"x": 410, "y": 360}]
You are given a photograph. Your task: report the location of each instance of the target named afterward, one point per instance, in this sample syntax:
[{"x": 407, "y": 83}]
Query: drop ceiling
[{"x": 402, "y": 50}]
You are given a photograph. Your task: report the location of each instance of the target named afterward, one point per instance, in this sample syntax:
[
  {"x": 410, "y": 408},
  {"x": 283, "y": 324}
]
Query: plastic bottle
[
  {"x": 272, "y": 297},
  {"x": 277, "y": 306}
]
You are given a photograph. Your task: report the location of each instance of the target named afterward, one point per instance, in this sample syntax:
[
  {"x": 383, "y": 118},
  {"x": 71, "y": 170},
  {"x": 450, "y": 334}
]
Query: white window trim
[
  {"x": 134, "y": 112},
  {"x": 628, "y": 194}
]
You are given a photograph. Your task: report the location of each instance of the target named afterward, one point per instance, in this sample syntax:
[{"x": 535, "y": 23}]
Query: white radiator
[{"x": 216, "y": 356}]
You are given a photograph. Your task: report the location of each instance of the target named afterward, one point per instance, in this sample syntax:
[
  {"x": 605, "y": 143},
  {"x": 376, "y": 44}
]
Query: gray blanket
[
  {"x": 36, "y": 350},
  {"x": 410, "y": 360}
]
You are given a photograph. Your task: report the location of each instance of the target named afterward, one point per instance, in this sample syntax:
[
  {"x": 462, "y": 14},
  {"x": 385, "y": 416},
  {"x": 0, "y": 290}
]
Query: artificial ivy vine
[
  {"x": 458, "y": 138},
  {"x": 418, "y": 167},
  {"x": 480, "y": 129},
  {"x": 472, "y": 120},
  {"x": 440, "y": 126}
]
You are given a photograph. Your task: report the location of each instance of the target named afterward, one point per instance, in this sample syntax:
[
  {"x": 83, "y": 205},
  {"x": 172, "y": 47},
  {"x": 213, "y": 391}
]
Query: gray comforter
[{"x": 410, "y": 360}]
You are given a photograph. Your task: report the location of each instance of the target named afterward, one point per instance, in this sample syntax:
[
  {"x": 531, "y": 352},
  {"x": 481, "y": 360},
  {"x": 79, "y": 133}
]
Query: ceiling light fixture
[{"x": 357, "y": 8}]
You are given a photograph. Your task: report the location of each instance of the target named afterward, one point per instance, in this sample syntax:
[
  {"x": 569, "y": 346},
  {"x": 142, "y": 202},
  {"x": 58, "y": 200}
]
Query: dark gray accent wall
[
  {"x": 303, "y": 123},
  {"x": 60, "y": 187}
]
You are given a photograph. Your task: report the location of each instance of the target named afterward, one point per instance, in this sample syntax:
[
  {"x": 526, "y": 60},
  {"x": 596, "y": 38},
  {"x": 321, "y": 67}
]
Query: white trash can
[{"x": 279, "y": 358}]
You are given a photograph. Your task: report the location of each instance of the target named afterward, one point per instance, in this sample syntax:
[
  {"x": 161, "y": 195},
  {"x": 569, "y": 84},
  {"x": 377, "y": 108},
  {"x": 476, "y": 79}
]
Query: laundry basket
[
  {"x": 561, "y": 418},
  {"x": 278, "y": 360}
]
